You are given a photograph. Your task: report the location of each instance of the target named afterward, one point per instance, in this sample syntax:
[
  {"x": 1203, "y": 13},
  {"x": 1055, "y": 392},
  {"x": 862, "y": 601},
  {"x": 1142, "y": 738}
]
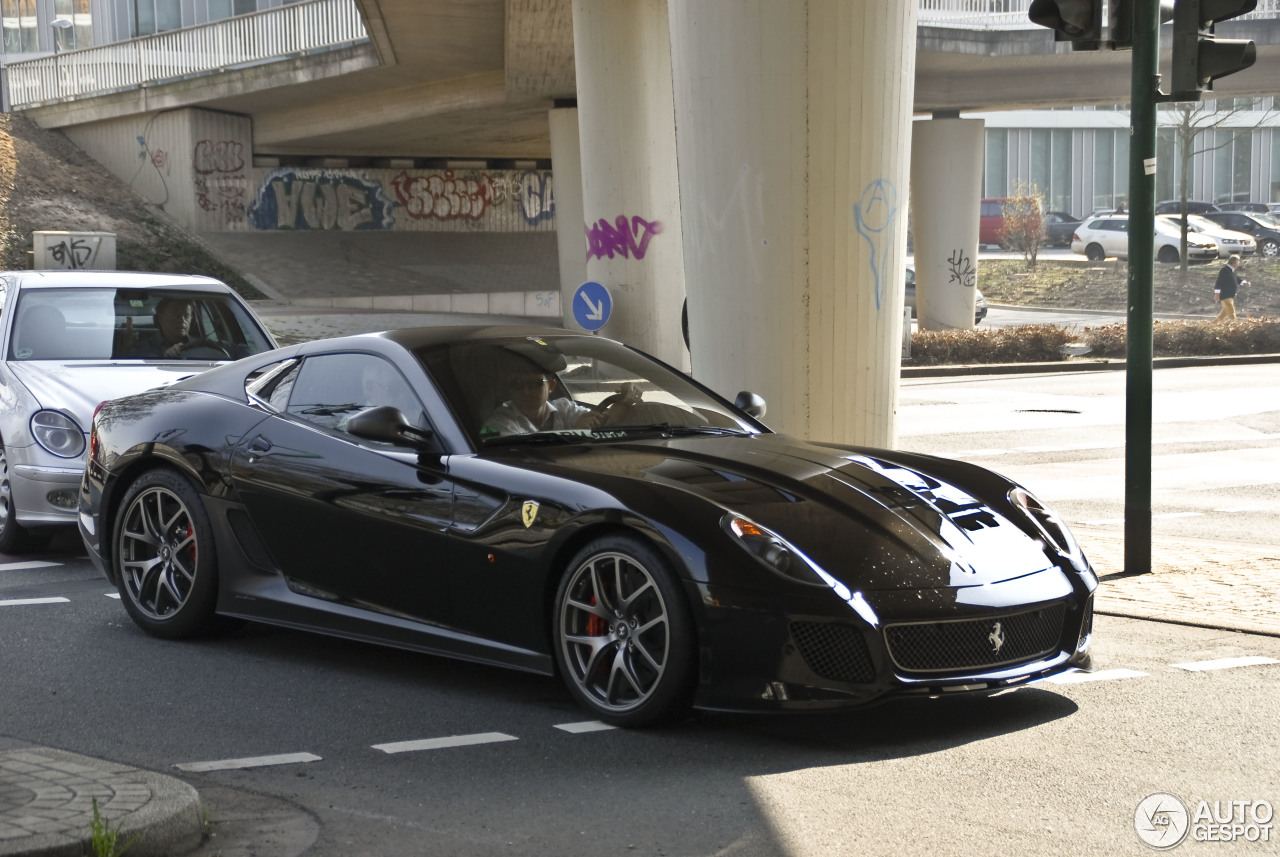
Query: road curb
[{"x": 1081, "y": 365}]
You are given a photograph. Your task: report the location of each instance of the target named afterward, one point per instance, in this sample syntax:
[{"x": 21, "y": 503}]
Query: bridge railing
[
  {"x": 1012, "y": 14},
  {"x": 240, "y": 41}
]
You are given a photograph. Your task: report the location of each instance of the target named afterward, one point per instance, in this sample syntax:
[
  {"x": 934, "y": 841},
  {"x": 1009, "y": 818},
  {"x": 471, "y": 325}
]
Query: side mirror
[
  {"x": 385, "y": 424},
  {"x": 751, "y": 403}
]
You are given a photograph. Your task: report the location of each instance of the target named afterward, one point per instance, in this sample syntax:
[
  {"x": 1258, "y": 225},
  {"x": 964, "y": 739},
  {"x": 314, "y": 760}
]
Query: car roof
[{"x": 113, "y": 279}]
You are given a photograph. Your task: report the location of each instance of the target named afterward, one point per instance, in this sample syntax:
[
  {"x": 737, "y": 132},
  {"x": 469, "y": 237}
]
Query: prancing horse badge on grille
[{"x": 996, "y": 638}]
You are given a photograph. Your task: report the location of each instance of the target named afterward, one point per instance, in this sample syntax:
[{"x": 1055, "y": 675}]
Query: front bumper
[
  {"x": 760, "y": 655},
  {"x": 45, "y": 494}
]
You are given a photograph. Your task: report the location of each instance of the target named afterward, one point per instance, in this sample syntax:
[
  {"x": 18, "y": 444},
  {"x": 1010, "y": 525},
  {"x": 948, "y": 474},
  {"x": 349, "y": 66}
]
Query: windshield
[
  {"x": 1268, "y": 220},
  {"x": 571, "y": 389},
  {"x": 123, "y": 324}
]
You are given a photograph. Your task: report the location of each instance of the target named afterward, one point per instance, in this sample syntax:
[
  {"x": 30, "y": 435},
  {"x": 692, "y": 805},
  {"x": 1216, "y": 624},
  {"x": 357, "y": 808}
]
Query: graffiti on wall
[
  {"x": 961, "y": 269},
  {"x": 220, "y": 183},
  {"x": 625, "y": 237},
  {"x": 536, "y": 196},
  {"x": 320, "y": 199},
  {"x": 873, "y": 216},
  {"x": 72, "y": 254},
  {"x": 444, "y": 195}
]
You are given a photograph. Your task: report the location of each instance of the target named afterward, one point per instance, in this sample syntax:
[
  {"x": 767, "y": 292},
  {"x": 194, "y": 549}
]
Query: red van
[{"x": 991, "y": 219}]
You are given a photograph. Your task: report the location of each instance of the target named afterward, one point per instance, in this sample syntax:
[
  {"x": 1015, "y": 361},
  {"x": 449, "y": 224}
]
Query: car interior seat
[{"x": 42, "y": 334}]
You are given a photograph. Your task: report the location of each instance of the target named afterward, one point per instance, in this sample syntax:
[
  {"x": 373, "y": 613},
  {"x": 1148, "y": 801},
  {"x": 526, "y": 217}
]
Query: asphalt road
[{"x": 513, "y": 767}]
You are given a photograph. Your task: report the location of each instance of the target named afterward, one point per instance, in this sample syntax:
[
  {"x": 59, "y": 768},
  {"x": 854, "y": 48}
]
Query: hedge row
[{"x": 1039, "y": 343}]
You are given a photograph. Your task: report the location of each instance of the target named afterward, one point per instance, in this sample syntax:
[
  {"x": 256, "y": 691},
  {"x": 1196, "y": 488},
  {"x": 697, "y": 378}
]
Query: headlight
[
  {"x": 58, "y": 433},
  {"x": 771, "y": 549},
  {"x": 1053, "y": 528}
]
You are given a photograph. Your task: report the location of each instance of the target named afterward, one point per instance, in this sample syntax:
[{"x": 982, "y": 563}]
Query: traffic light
[
  {"x": 1075, "y": 21},
  {"x": 1199, "y": 57},
  {"x": 1092, "y": 25}
]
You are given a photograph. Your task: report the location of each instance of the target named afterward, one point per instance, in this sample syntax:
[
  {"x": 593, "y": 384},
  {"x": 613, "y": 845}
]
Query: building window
[
  {"x": 996, "y": 181},
  {"x": 1231, "y": 166},
  {"x": 1275, "y": 166},
  {"x": 19, "y": 19}
]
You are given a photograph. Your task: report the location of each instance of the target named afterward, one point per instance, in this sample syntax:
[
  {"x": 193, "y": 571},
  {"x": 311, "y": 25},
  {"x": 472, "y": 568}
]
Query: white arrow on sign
[{"x": 595, "y": 312}]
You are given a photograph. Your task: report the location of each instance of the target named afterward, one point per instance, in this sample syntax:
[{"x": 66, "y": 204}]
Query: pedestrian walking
[{"x": 1224, "y": 290}]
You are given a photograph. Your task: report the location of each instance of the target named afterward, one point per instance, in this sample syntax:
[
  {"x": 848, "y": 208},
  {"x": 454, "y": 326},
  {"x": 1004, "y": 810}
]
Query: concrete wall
[{"x": 197, "y": 165}]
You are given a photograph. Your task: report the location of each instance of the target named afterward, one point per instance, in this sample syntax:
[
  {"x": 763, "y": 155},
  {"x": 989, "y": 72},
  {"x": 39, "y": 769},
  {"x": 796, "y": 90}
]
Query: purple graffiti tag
[{"x": 605, "y": 239}]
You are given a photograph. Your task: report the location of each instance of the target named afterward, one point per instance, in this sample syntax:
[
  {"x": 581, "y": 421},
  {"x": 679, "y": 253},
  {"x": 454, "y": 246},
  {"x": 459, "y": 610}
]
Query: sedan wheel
[
  {"x": 1168, "y": 255},
  {"x": 1095, "y": 253},
  {"x": 164, "y": 557},
  {"x": 624, "y": 638},
  {"x": 14, "y": 538},
  {"x": 1269, "y": 248}
]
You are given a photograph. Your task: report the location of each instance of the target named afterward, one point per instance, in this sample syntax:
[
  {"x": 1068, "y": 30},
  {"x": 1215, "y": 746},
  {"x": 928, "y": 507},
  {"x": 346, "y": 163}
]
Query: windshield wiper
[
  {"x": 672, "y": 431},
  {"x": 330, "y": 410},
  {"x": 546, "y": 437}
]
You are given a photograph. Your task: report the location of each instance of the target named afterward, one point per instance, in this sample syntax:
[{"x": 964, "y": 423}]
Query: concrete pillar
[
  {"x": 793, "y": 125},
  {"x": 946, "y": 189},
  {"x": 630, "y": 189},
  {"x": 566, "y": 168}
]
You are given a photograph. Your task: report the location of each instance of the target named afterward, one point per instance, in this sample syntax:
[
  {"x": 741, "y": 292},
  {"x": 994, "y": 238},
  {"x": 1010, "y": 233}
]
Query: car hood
[
  {"x": 78, "y": 388},
  {"x": 861, "y": 517}
]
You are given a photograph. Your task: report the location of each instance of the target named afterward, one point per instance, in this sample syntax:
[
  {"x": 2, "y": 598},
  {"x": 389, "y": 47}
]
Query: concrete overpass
[{"x": 474, "y": 79}]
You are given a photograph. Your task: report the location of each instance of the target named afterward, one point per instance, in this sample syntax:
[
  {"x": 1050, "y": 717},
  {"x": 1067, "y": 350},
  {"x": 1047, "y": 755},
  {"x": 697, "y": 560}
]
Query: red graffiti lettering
[
  {"x": 606, "y": 239},
  {"x": 224, "y": 156},
  {"x": 444, "y": 196}
]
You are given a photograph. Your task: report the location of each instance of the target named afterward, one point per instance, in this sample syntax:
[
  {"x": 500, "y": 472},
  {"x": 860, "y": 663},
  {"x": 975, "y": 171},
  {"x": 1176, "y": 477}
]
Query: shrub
[
  {"x": 1035, "y": 343},
  {"x": 1191, "y": 338}
]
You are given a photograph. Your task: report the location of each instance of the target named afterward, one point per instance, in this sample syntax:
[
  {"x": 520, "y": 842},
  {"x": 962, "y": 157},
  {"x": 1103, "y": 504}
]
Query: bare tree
[
  {"x": 1023, "y": 222},
  {"x": 1190, "y": 121}
]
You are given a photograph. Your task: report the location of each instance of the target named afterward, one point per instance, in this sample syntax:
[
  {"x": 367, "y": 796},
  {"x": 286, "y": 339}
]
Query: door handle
[{"x": 257, "y": 447}]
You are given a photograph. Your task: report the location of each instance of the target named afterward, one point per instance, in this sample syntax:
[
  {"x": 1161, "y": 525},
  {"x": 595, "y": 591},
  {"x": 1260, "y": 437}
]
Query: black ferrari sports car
[{"x": 562, "y": 503}]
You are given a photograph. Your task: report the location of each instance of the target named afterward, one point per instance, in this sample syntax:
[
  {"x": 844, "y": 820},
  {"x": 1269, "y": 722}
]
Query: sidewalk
[{"x": 46, "y": 795}]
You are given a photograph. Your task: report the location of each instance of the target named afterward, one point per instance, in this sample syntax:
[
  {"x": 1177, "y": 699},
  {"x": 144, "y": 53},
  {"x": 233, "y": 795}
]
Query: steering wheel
[
  {"x": 607, "y": 402},
  {"x": 203, "y": 349}
]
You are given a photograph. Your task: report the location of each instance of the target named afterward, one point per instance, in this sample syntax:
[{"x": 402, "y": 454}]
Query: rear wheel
[
  {"x": 1095, "y": 253},
  {"x": 624, "y": 636},
  {"x": 163, "y": 551},
  {"x": 1269, "y": 248}
]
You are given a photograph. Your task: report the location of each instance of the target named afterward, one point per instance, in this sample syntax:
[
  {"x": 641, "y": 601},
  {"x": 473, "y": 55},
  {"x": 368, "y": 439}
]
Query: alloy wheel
[
  {"x": 615, "y": 633},
  {"x": 158, "y": 553}
]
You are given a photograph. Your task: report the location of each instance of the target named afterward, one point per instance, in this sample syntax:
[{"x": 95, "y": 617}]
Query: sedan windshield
[
  {"x": 571, "y": 389},
  {"x": 123, "y": 324}
]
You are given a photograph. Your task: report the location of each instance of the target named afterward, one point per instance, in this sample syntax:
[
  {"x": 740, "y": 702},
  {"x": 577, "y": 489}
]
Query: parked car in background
[
  {"x": 657, "y": 549},
  {"x": 1273, "y": 208},
  {"x": 73, "y": 339},
  {"x": 1059, "y": 227},
  {"x": 1229, "y": 241},
  {"x": 1108, "y": 235},
  {"x": 1252, "y": 207},
  {"x": 1194, "y": 206},
  {"x": 1264, "y": 228},
  {"x": 979, "y": 302},
  {"x": 991, "y": 223}
]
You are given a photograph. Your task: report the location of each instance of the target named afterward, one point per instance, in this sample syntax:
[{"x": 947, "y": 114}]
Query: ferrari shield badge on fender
[{"x": 529, "y": 513}]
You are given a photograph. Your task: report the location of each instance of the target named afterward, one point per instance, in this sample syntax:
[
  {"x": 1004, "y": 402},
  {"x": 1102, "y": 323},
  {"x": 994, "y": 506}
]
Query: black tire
[
  {"x": 1095, "y": 253},
  {"x": 164, "y": 557},
  {"x": 1168, "y": 255},
  {"x": 624, "y": 637},
  {"x": 1269, "y": 248},
  {"x": 14, "y": 538}
]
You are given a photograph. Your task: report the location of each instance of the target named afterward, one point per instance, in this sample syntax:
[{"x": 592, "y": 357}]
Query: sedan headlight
[
  {"x": 58, "y": 433},
  {"x": 1046, "y": 521}
]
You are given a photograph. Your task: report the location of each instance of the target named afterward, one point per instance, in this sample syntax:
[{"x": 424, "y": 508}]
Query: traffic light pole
[{"x": 1142, "y": 206}]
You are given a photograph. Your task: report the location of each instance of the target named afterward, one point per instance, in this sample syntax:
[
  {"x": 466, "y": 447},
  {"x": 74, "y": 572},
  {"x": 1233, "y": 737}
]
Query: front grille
[
  {"x": 975, "y": 644},
  {"x": 834, "y": 651}
]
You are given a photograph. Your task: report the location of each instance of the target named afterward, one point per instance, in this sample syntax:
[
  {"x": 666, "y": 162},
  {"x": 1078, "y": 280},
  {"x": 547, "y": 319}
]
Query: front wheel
[
  {"x": 625, "y": 642},
  {"x": 163, "y": 551},
  {"x": 14, "y": 538},
  {"x": 1168, "y": 255}
]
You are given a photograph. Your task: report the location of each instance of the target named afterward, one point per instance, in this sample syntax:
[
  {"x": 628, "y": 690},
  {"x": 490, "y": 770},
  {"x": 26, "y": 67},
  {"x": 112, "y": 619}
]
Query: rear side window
[{"x": 331, "y": 388}]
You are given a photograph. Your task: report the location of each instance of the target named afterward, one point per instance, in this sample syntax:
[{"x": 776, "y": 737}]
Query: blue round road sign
[{"x": 592, "y": 305}]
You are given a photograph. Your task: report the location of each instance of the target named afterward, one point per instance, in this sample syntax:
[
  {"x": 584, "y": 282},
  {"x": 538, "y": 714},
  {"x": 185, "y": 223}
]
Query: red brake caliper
[{"x": 595, "y": 624}]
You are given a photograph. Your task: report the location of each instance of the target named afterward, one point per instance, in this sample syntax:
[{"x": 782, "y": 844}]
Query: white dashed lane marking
[
  {"x": 22, "y": 566},
  {"x": 21, "y": 602},
  {"x": 584, "y": 726},
  {"x": 253, "y": 762},
  {"x": 1226, "y": 663},
  {"x": 1077, "y": 677},
  {"x": 444, "y": 743}
]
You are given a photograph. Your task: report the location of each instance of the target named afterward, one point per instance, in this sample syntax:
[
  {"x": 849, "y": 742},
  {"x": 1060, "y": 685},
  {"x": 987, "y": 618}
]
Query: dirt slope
[{"x": 46, "y": 182}]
